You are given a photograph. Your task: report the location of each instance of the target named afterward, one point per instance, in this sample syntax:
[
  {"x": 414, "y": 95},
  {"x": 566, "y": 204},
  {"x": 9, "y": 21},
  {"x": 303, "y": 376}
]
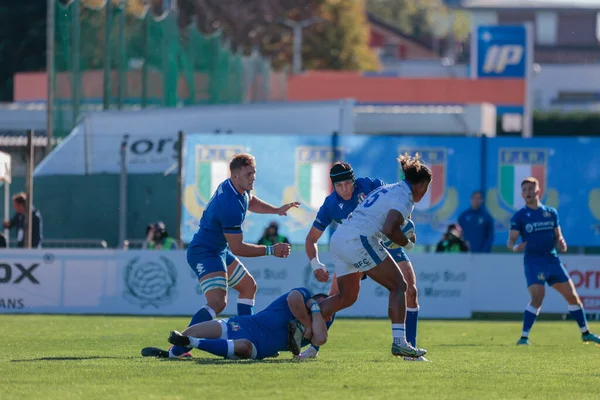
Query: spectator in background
[
  {"x": 18, "y": 221},
  {"x": 3, "y": 243},
  {"x": 452, "y": 241},
  {"x": 272, "y": 236},
  {"x": 157, "y": 238},
  {"x": 477, "y": 225}
]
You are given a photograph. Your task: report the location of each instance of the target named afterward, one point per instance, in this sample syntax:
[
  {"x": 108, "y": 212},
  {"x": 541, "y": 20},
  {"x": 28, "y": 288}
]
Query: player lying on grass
[
  {"x": 541, "y": 236},
  {"x": 255, "y": 336},
  {"x": 356, "y": 248},
  {"x": 348, "y": 193}
]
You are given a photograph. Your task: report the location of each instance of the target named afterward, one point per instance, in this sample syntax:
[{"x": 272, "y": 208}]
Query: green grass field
[{"x": 64, "y": 357}]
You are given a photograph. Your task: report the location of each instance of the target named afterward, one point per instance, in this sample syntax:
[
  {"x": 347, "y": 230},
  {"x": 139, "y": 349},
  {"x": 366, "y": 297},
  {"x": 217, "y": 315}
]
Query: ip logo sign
[{"x": 502, "y": 51}]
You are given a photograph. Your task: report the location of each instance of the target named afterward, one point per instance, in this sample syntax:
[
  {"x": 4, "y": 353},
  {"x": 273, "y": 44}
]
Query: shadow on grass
[
  {"x": 218, "y": 361},
  {"x": 72, "y": 358}
]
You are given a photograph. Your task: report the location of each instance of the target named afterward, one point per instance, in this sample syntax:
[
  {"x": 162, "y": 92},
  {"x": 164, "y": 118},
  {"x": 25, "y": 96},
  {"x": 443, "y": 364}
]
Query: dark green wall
[{"x": 87, "y": 207}]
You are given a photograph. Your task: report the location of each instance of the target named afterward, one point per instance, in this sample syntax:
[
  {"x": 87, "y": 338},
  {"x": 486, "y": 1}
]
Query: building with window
[{"x": 566, "y": 31}]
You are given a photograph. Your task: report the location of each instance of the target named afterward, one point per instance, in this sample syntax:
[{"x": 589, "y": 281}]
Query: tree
[
  {"x": 341, "y": 42},
  {"x": 421, "y": 18}
]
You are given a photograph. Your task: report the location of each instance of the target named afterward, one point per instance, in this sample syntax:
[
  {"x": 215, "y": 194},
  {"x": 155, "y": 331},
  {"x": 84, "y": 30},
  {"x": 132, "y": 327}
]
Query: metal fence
[{"x": 116, "y": 55}]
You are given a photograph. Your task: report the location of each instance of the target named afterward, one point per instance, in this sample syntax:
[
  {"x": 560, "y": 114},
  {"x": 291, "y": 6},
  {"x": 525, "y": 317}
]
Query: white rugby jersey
[{"x": 370, "y": 215}]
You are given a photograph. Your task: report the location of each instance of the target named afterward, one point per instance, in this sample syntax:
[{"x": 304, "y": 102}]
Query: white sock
[
  {"x": 194, "y": 341},
  {"x": 248, "y": 302},
  {"x": 212, "y": 312},
  {"x": 398, "y": 333},
  {"x": 230, "y": 349}
]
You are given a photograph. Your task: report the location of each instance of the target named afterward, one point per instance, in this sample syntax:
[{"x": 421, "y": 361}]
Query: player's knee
[
  {"x": 537, "y": 300},
  {"x": 319, "y": 340},
  {"x": 411, "y": 294},
  {"x": 573, "y": 299},
  {"x": 251, "y": 287},
  {"x": 401, "y": 286},
  {"x": 348, "y": 298},
  {"x": 218, "y": 304},
  {"x": 243, "y": 348}
]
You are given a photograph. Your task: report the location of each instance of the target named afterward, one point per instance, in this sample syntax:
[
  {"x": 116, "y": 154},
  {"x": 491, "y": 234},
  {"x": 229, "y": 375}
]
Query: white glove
[{"x": 316, "y": 264}]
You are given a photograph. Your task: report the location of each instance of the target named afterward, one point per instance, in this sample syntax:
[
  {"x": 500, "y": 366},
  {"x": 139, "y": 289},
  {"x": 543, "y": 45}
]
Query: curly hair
[
  {"x": 241, "y": 160},
  {"x": 414, "y": 170}
]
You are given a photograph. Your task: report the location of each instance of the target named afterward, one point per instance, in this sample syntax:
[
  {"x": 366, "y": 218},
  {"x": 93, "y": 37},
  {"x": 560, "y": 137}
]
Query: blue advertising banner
[
  {"x": 296, "y": 168},
  {"x": 501, "y": 51},
  {"x": 290, "y": 168},
  {"x": 454, "y": 163},
  {"x": 568, "y": 170}
]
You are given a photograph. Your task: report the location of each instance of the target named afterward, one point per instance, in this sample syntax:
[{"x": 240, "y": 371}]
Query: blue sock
[
  {"x": 218, "y": 347},
  {"x": 204, "y": 314},
  {"x": 529, "y": 317},
  {"x": 412, "y": 320},
  {"x": 245, "y": 306},
  {"x": 328, "y": 325},
  {"x": 578, "y": 315}
]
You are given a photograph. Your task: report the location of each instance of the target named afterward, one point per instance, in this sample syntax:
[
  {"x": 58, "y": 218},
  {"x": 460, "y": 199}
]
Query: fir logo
[
  {"x": 594, "y": 206},
  {"x": 441, "y": 201},
  {"x": 312, "y": 183},
  {"x": 210, "y": 166},
  {"x": 514, "y": 165},
  {"x": 150, "y": 283},
  {"x": 312, "y": 175},
  {"x": 234, "y": 326}
]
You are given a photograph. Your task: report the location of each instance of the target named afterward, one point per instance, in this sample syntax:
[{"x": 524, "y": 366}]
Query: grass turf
[{"x": 89, "y": 357}]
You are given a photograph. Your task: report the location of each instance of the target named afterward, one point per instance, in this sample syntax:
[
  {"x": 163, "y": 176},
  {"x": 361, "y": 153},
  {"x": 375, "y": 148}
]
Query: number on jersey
[{"x": 373, "y": 196}]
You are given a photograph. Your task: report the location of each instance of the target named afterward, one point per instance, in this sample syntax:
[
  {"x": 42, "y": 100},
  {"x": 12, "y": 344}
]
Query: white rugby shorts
[{"x": 355, "y": 253}]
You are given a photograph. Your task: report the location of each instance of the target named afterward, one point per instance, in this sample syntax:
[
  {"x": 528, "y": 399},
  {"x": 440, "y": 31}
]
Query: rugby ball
[{"x": 408, "y": 228}]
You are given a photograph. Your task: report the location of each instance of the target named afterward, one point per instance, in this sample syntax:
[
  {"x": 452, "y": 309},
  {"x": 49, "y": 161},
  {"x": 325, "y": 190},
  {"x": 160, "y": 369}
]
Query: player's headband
[{"x": 342, "y": 176}]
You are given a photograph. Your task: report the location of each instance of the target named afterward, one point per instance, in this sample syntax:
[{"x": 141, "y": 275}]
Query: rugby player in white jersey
[{"x": 356, "y": 248}]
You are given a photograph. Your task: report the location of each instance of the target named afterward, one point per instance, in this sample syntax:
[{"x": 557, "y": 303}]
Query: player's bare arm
[
  {"x": 243, "y": 249},
  {"x": 561, "y": 243},
  {"x": 259, "y": 206},
  {"x": 310, "y": 243},
  {"x": 312, "y": 252},
  {"x": 511, "y": 244},
  {"x": 319, "y": 328},
  {"x": 295, "y": 301},
  {"x": 392, "y": 228}
]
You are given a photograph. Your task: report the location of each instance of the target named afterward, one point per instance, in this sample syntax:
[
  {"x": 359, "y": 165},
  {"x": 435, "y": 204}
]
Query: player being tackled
[
  {"x": 356, "y": 248},
  {"x": 348, "y": 193}
]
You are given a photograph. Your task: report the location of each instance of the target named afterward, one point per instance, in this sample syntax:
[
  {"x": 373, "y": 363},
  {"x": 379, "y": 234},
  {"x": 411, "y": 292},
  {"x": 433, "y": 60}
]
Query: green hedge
[{"x": 560, "y": 124}]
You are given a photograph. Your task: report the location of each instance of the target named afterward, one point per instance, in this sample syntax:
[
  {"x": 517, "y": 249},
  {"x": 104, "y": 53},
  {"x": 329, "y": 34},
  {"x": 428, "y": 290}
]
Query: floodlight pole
[
  {"x": 180, "y": 155},
  {"x": 297, "y": 27},
  {"x": 49, "y": 74}
]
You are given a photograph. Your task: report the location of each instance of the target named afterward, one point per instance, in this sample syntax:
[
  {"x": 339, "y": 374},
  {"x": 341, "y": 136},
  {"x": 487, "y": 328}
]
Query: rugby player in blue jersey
[
  {"x": 213, "y": 249},
  {"x": 260, "y": 335},
  {"x": 348, "y": 193},
  {"x": 541, "y": 236}
]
